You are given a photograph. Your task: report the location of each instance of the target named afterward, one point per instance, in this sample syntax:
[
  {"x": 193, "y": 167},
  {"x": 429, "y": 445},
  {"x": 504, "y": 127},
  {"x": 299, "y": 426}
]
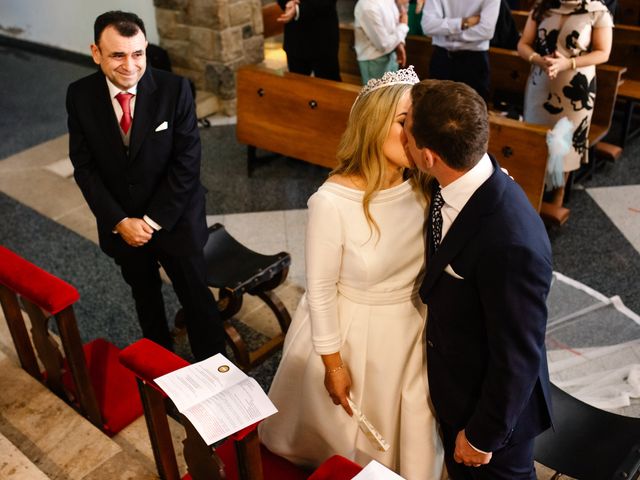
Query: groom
[{"x": 488, "y": 275}]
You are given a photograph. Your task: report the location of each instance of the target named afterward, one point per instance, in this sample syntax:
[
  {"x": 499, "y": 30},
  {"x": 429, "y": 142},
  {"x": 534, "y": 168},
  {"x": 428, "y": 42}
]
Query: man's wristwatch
[{"x": 465, "y": 24}]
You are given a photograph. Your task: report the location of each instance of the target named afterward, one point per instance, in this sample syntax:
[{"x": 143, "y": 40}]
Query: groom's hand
[{"x": 465, "y": 453}]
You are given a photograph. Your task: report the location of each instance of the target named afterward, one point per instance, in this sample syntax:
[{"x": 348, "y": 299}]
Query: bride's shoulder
[{"x": 348, "y": 181}]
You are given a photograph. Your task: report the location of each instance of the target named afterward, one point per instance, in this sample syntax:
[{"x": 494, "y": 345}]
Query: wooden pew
[
  {"x": 628, "y": 12},
  {"x": 294, "y": 115},
  {"x": 521, "y": 148},
  {"x": 274, "y": 114}
]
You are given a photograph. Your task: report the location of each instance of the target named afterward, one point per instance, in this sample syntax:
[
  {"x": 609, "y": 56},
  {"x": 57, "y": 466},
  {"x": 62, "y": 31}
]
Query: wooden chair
[
  {"x": 89, "y": 377},
  {"x": 589, "y": 443},
  {"x": 241, "y": 456},
  {"x": 236, "y": 270}
]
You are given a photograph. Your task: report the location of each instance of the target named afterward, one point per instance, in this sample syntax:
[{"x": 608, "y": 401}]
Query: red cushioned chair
[
  {"x": 89, "y": 376},
  {"x": 240, "y": 457}
]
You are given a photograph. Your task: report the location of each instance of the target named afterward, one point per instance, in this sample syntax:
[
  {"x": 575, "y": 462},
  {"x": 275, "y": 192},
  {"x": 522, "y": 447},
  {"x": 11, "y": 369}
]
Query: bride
[{"x": 358, "y": 332}]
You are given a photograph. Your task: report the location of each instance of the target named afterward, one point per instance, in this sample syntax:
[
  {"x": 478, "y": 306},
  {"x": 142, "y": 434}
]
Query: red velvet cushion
[
  {"x": 336, "y": 468},
  {"x": 148, "y": 360},
  {"x": 115, "y": 386},
  {"x": 45, "y": 290}
]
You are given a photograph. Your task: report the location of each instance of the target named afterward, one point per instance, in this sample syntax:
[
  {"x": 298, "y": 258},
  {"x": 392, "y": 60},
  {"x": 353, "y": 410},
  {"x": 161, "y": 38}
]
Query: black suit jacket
[
  {"x": 485, "y": 333},
  {"x": 316, "y": 33},
  {"x": 158, "y": 176}
]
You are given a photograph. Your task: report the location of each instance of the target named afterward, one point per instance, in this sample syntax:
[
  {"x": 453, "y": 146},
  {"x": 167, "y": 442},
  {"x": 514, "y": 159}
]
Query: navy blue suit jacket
[
  {"x": 485, "y": 333},
  {"x": 158, "y": 176}
]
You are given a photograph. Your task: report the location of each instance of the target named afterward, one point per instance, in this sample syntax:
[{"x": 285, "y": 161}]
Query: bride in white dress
[{"x": 359, "y": 329}]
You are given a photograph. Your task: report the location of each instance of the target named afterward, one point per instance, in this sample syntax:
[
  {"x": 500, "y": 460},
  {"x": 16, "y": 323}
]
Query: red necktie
[{"x": 124, "y": 99}]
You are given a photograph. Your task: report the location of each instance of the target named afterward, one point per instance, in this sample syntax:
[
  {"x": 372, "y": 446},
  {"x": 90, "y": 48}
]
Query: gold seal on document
[{"x": 223, "y": 368}]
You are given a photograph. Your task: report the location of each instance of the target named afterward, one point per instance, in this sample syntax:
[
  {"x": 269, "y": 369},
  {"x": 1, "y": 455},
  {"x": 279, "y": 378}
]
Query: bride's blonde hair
[{"x": 360, "y": 151}]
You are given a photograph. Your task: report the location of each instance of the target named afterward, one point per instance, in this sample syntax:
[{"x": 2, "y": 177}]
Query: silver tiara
[{"x": 405, "y": 75}]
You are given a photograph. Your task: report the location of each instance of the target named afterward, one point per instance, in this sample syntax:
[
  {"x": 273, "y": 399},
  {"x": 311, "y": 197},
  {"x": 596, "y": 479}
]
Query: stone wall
[{"x": 208, "y": 40}]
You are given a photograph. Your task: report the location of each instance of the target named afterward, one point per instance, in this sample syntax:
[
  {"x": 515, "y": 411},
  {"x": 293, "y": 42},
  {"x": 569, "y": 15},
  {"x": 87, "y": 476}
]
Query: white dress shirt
[
  {"x": 113, "y": 91},
  {"x": 442, "y": 20},
  {"x": 457, "y": 193},
  {"x": 377, "y": 28}
]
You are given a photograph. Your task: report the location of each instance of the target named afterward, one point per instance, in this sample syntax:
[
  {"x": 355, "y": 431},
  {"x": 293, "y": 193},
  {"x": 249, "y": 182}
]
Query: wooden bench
[
  {"x": 274, "y": 114},
  {"x": 293, "y": 115},
  {"x": 521, "y": 148},
  {"x": 88, "y": 377}
]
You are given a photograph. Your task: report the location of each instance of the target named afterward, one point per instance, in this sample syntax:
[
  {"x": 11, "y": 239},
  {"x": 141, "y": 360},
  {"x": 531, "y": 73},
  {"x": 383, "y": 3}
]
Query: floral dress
[{"x": 567, "y": 28}]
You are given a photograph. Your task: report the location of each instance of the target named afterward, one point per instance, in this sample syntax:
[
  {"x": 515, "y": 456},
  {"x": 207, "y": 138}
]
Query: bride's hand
[{"x": 338, "y": 383}]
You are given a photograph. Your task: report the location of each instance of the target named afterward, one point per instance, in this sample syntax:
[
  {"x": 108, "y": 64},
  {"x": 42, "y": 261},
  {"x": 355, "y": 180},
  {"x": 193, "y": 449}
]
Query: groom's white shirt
[{"x": 457, "y": 193}]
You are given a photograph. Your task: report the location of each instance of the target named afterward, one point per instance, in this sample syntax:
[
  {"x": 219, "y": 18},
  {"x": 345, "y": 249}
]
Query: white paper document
[
  {"x": 376, "y": 471},
  {"x": 217, "y": 397}
]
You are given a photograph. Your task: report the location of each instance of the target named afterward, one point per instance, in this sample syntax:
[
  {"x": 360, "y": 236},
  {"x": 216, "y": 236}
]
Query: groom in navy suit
[
  {"x": 135, "y": 148},
  {"x": 487, "y": 279}
]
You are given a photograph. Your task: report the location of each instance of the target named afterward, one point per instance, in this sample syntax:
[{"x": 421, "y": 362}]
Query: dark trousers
[
  {"x": 464, "y": 66},
  {"x": 188, "y": 276},
  {"x": 513, "y": 462},
  {"x": 326, "y": 67}
]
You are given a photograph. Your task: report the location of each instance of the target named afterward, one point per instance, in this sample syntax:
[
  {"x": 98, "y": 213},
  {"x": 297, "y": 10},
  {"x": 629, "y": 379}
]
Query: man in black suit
[
  {"x": 135, "y": 148},
  {"x": 488, "y": 275},
  {"x": 311, "y": 37}
]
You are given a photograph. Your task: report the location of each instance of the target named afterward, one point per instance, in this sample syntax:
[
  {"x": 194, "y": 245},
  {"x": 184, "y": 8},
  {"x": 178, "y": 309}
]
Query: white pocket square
[
  {"x": 162, "y": 126},
  {"x": 452, "y": 272}
]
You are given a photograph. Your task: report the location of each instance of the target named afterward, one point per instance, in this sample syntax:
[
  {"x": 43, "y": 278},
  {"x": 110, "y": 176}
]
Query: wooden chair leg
[
  {"x": 19, "y": 333},
  {"x": 202, "y": 461},
  {"x": 278, "y": 309},
  {"x": 238, "y": 346},
  {"x": 76, "y": 361},
  {"x": 249, "y": 458},
  {"x": 159, "y": 432}
]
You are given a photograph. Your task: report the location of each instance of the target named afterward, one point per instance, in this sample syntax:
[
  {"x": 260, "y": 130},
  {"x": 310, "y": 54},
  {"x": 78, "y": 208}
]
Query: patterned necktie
[
  {"x": 124, "y": 99},
  {"x": 436, "y": 219}
]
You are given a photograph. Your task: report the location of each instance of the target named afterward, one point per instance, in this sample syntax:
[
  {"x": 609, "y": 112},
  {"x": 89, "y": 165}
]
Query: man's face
[
  {"x": 121, "y": 59},
  {"x": 413, "y": 152}
]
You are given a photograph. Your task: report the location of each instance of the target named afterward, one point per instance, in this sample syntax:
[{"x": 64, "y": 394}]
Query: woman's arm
[
  {"x": 601, "y": 39},
  {"x": 323, "y": 258},
  {"x": 527, "y": 40}
]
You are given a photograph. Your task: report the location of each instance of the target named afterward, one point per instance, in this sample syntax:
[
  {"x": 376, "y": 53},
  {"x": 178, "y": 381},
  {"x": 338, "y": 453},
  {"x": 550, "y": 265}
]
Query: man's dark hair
[
  {"x": 127, "y": 24},
  {"x": 451, "y": 119}
]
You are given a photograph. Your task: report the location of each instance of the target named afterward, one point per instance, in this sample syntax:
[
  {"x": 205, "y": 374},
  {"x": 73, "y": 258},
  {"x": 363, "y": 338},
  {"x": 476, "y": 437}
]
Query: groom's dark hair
[{"x": 450, "y": 118}]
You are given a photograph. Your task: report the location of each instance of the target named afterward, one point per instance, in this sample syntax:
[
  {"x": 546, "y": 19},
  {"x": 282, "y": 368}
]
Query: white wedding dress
[{"x": 361, "y": 300}]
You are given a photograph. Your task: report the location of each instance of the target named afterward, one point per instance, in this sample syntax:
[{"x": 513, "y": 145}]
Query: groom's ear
[{"x": 428, "y": 156}]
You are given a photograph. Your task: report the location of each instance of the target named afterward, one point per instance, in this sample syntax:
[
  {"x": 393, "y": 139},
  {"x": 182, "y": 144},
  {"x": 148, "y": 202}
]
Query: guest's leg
[
  {"x": 440, "y": 65},
  {"x": 298, "y": 65},
  {"x": 472, "y": 68},
  {"x": 140, "y": 270},
  {"x": 376, "y": 67},
  {"x": 204, "y": 326},
  {"x": 327, "y": 67}
]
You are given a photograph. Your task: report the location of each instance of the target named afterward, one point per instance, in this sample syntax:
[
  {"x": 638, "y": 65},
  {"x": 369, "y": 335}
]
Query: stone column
[{"x": 208, "y": 40}]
